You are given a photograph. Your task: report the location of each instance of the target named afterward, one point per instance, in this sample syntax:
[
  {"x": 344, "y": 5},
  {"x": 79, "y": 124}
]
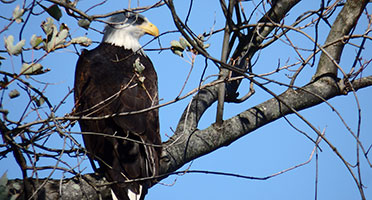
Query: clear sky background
[{"x": 268, "y": 150}]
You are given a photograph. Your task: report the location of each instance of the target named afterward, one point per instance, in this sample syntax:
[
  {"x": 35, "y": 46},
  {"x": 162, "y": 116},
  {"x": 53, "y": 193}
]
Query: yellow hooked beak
[{"x": 150, "y": 28}]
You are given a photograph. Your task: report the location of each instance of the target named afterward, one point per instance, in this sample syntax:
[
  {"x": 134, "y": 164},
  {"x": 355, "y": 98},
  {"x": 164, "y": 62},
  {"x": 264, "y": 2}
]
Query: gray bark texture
[{"x": 88, "y": 186}]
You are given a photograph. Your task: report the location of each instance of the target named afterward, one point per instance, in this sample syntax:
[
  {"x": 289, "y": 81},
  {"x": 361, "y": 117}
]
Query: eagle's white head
[{"x": 125, "y": 29}]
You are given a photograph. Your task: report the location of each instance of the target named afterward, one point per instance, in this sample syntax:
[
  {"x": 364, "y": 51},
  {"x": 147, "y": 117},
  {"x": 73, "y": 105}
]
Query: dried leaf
[
  {"x": 51, "y": 31},
  {"x": 17, "y": 14},
  {"x": 47, "y": 26},
  {"x": 13, "y": 94},
  {"x": 61, "y": 37},
  {"x": 84, "y": 41},
  {"x": 206, "y": 45},
  {"x": 177, "y": 52},
  {"x": 32, "y": 69},
  {"x": 138, "y": 66},
  {"x": 54, "y": 11},
  {"x": 141, "y": 79},
  {"x": 39, "y": 101},
  {"x": 35, "y": 41},
  {"x": 11, "y": 48},
  {"x": 176, "y": 44},
  {"x": 55, "y": 39},
  {"x": 177, "y": 48},
  {"x": 184, "y": 43},
  {"x": 50, "y": 42},
  {"x": 84, "y": 23}
]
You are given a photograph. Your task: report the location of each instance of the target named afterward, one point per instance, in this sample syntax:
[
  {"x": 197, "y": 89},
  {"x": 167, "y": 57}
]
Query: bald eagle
[{"x": 117, "y": 77}]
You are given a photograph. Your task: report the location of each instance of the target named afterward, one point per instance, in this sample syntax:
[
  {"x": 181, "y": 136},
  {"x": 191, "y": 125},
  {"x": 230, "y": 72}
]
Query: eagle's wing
[{"x": 106, "y": 83}]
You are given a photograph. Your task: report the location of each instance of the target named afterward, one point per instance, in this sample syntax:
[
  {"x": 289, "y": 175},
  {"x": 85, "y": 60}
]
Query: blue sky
[{"x": 266, "y": 151}]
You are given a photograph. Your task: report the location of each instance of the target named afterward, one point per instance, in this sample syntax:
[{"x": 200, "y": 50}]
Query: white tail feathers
[
  {"x": 132, "y": 195},
  {"x": 113, "y": 195}
]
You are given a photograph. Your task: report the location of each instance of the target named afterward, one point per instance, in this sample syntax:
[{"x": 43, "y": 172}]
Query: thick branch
[
  {"x": 66, "y": 189},
  {"x": 186, "y": 146},
  {"x": 344, "y": 23}
]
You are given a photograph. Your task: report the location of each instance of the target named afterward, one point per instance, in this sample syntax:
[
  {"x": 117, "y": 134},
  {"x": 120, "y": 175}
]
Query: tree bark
[{"x": 85, "y": 187}]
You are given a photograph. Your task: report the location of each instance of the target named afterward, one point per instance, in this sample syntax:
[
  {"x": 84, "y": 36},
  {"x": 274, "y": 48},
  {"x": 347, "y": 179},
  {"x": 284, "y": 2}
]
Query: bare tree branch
[
  {"x": 344, "y": 23},
  {"x": 177, "y": 150}
]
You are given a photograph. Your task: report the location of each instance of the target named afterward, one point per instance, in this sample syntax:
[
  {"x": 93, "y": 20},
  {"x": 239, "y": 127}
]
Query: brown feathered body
[{"x": 126, "y": 146}]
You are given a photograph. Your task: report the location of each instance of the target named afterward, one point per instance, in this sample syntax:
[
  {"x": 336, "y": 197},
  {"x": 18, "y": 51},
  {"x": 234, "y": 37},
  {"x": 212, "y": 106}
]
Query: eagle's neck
[{"x": 124, "y": 37}]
